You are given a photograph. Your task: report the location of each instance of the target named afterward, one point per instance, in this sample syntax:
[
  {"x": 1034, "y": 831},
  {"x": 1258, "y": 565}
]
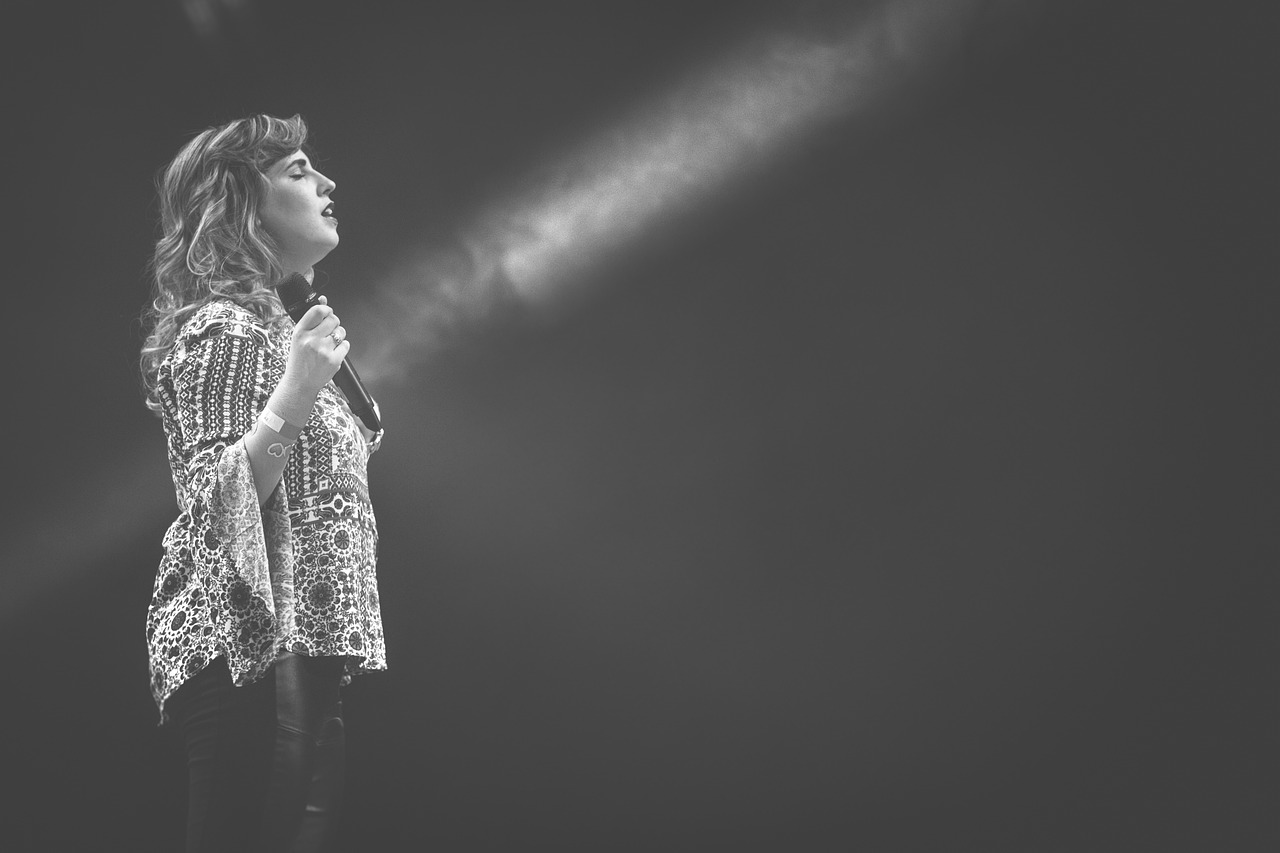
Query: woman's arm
[{"x": 313, "y": 360}]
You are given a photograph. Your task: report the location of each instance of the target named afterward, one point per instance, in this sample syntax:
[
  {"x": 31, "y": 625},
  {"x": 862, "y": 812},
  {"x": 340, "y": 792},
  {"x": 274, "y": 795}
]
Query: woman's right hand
[
  {"x": 318, "y": 349},
  {"x": 319, "y": 345}
]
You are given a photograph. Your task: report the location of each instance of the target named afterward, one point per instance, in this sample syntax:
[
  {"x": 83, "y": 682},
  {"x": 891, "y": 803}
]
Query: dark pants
[{"x": 265, "y": 761}]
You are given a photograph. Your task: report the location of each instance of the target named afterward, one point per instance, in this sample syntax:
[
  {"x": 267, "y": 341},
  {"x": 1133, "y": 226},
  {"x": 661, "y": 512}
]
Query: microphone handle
[
  {"x": 296, "y": 294},
  {"x": 348, "y": 382}
]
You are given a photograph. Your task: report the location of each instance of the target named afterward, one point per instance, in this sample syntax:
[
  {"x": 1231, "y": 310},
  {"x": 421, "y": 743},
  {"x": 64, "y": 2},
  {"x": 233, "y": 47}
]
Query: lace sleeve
[{"x": 221, "y": 378}]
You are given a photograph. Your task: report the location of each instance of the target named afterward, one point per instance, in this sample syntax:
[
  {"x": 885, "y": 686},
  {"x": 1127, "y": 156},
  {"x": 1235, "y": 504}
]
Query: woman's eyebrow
[{"x": 300, "y": 161}]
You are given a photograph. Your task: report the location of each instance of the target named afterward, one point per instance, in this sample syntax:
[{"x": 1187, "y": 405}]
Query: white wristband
[{"x": 273, "y": 421}]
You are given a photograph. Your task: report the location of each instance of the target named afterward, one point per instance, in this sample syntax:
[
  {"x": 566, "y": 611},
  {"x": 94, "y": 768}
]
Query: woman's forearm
[{"x": 269, "y": 443}]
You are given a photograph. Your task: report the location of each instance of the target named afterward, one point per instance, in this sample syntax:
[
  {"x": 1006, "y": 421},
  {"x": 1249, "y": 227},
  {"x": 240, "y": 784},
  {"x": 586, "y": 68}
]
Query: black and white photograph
[{"x": 827, "y": 426}]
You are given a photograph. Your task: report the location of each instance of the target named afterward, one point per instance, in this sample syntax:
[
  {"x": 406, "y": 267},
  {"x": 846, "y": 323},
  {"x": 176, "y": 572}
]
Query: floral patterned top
[{"x": 241, "y": 581}]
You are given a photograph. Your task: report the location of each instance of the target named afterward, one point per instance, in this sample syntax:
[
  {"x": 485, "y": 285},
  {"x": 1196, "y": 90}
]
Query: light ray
[
  {"x": 104, "y": 517},
  {"x": 672, "y": 156}
]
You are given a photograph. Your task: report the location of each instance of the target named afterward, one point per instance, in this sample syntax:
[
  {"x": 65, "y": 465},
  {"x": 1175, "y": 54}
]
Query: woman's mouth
[{"x": 327, "y": 213}]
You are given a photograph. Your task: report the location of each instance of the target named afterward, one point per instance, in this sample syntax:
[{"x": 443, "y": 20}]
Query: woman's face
[{"x": 297, "y": 212}]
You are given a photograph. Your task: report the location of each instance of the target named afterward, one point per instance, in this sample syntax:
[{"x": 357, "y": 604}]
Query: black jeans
[{"x": 265, "y": 761}]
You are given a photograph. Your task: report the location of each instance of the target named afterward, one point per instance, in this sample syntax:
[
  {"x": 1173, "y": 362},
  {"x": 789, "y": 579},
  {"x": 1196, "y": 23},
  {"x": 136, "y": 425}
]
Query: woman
[{"x": 266, "y": 599}]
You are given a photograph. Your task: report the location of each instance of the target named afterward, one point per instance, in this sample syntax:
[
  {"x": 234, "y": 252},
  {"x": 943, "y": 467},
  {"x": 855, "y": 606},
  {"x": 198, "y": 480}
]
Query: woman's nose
[{"x": 326, "y": 186}]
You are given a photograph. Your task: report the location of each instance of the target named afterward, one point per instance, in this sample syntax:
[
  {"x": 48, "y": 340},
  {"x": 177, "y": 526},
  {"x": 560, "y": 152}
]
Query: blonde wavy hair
[{"x": 211, "y": 245}]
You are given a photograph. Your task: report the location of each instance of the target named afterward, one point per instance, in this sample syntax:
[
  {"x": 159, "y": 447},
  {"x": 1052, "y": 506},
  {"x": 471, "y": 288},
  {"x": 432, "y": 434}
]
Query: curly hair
[{"x": 211, "y": 245}]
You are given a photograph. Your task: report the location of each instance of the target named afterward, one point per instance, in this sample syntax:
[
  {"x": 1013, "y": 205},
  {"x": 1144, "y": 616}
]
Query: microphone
[{"x": 297, "y": 296}]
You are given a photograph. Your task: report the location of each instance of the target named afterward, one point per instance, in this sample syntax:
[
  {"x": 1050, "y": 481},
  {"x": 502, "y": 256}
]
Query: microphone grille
[{"x": 296, "y": 294}]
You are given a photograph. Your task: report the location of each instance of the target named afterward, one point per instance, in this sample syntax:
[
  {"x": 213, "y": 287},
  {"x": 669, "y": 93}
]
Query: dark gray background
[{"x": 912, "y": 502}]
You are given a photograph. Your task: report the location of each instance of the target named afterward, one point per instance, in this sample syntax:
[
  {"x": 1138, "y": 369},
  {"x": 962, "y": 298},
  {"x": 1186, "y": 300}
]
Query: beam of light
[
  {"x": 86, "y": 534},
  {"x": 675, "y": 154},
  {"x": 213, "y": 20}
]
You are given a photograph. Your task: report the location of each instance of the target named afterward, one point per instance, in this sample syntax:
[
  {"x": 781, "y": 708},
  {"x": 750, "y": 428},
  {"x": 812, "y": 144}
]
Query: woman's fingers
[
  {"x": 315, "y": 315},
  {"x": 323, "y": 328}
]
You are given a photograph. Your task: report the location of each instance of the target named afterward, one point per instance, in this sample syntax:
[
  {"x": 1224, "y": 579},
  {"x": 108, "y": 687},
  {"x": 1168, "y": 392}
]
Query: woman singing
[{"x": 266, "y": 599}]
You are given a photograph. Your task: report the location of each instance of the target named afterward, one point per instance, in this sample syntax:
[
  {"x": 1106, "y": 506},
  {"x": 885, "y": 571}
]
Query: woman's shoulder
[{"x": 222, "y": 317}]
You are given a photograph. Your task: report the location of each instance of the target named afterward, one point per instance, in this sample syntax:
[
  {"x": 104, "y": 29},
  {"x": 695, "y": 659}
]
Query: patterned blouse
[{"x": 241, "y": 581}]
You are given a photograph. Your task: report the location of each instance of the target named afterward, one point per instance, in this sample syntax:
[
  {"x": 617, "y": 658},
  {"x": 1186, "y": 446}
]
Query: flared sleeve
[{"x": 226, "y": 576}]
